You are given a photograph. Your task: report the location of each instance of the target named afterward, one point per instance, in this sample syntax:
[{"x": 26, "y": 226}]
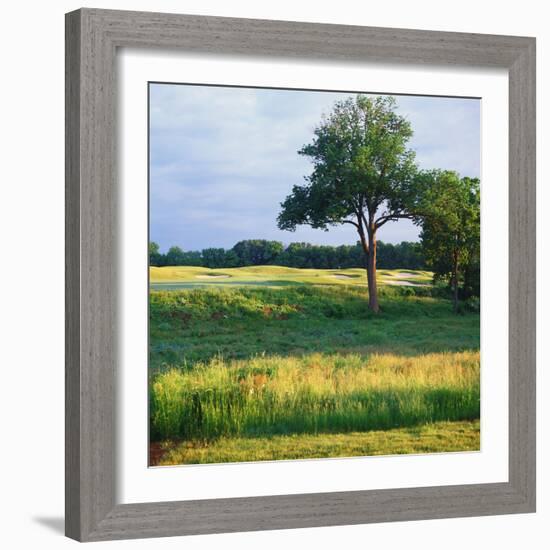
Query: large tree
[
  {"x": 451, "y": 229},
  {"x": 363, "y": 175}
]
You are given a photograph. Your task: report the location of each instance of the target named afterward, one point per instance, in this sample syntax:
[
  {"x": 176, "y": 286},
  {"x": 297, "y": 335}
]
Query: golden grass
[{"x": 312, "y": 394}]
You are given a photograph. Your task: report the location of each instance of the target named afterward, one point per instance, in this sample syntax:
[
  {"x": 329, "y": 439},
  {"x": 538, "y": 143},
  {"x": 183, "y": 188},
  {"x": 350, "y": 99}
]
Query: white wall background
[{"x": 31, "y": 218}]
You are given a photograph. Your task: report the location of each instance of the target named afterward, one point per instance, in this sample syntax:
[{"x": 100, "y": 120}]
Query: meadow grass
[
  {"x": 250, "y": 362},
  {"x": 316, "y": 393},
  {"x": 427, "y": 438},
  {"x": 190, "y": 326}
]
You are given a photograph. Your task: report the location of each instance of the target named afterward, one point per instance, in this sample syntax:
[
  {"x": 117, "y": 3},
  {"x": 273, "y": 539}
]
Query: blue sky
[{"x": 223, "y": 159}]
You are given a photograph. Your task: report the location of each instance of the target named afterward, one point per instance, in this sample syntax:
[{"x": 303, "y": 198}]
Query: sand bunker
[
  {"x": 401, "y": 283},
  {"x": 405, "y": 275},
  {"x": 211, "y": 276},
  {"x": 341, "y": 276}
]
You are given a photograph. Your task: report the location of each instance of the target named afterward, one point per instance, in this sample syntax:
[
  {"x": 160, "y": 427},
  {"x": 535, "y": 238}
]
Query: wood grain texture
[
  {"x": 253, "y": 37},
  {"x": 92, "y": 37},
  {"x": 72, "y": 277},
  {"x": 522, "y": 274},
  {"x": 91, "y": 255}
]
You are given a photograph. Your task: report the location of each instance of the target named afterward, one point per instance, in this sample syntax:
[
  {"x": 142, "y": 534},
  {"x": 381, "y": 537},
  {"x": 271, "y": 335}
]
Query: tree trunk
[
  {"x": 455, "y": 281},
  {"x": 369, "y": 248},
  {"x": 371, "y": 273}
]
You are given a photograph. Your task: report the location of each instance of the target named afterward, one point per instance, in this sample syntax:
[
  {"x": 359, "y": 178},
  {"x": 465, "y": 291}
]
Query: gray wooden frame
[{"x": 92, "y": 38}]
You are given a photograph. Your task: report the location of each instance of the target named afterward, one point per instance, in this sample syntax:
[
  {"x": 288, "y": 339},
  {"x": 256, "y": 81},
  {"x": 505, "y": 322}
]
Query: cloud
[
  {"x": 446, "y": 132},
  {"x": 223, "y": 159}
]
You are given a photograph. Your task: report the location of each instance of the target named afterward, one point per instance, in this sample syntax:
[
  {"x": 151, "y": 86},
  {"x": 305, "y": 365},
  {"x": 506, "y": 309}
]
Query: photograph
[{"x": 314, "y": 274}]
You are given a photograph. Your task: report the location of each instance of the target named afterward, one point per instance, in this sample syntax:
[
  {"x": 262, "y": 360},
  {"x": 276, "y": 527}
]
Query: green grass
[
  {"x": 428, "y": 438},
  {"x": 173, "y": 278},
  {"x": 313, "y": 394},
  {"x": 230, "y": 363},
  {"x": 241, "y": 322}
]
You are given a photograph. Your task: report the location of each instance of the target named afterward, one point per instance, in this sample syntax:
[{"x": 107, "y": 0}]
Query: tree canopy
[
  {"x": 363, "y": 174},
  {"x": 361, "y": 167},
  {"x": 257, "y": 251},
  {"x": 451, "y": 230}
]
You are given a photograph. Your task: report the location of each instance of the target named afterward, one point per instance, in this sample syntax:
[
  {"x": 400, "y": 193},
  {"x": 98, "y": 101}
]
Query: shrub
[{"x": 473, "y": 304}]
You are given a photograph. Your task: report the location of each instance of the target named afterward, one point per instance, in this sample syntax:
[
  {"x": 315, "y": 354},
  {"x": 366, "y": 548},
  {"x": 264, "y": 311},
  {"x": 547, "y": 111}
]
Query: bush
[{"x": 473, "y": 304}]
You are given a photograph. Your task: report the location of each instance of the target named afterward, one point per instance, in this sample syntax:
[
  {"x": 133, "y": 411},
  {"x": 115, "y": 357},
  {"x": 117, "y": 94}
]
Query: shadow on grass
[{"x": 461, "y": 436}]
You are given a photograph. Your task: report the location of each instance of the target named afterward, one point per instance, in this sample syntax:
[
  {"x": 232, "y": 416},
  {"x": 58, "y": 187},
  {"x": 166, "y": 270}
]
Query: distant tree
[
  {"x": 214, "y": 257},
  {"x": 191, "y": 257},
  {"x": 296, "y": 255},
  {"x": 299, "y": 254},
  {"x": 231, "y": 259},
  {"x": 410, "y": 255},
  {"x": 307, "y": 255},
  {"x": 451, "y": 229},
  {"x": 363, "y": 175},
  {"x": 406, "y": 255},
  {"x": 175, "y": 256},
  {"x": 257, "y": 251},
  {"x": 349, "y": 256},
  {"x": 155, "y": 257}
]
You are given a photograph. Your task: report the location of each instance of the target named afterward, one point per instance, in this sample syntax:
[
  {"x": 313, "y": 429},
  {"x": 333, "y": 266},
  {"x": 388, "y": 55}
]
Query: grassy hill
[{"x": 273, "y": 275}]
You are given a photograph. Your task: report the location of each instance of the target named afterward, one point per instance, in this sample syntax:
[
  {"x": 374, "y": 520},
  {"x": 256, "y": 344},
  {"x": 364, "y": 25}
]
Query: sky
[{"x": 222, "y": 160}]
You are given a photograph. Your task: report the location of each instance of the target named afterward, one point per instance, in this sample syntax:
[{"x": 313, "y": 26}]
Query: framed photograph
[{"x": 300, "y": 275}]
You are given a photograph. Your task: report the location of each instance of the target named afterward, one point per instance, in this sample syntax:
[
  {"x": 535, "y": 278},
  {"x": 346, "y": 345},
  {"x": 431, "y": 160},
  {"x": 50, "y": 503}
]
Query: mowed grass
[
  {"x": 276, "y": 276},
  {"x": 428, "y": 438},
  {"x": 260, "y": 367}
]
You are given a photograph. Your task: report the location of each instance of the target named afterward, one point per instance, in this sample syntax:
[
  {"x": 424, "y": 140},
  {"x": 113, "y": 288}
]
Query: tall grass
[{"x": 313, "y": 393}]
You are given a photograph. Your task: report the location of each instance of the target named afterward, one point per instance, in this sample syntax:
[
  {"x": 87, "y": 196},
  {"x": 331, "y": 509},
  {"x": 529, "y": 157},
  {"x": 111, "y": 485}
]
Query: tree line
[{"x": 250, "y": 252}]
